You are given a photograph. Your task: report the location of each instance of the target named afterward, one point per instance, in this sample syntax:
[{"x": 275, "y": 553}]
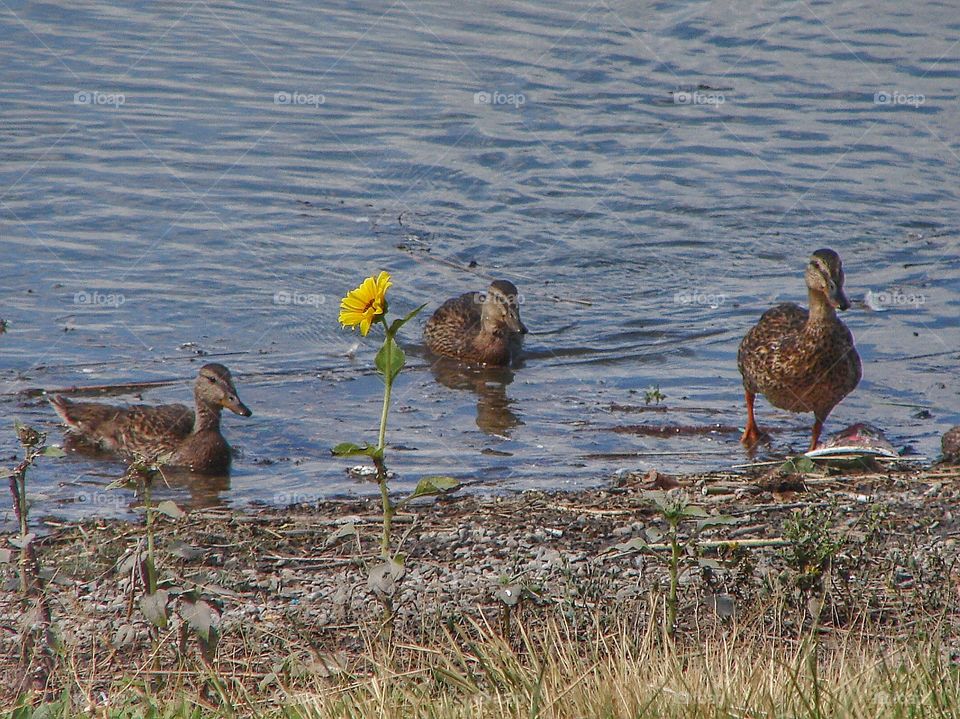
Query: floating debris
[{"x": 859, "y": 439}]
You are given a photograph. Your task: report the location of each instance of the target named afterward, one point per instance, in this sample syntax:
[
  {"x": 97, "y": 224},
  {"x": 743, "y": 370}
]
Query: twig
[
  {"x": 707, "y": 544},
  {"x": 671, "y": 453}
]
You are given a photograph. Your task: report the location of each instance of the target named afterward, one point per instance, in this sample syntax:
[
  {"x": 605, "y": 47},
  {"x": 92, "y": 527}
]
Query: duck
[
  {"x": 478, "y": 327},
  {"x": 950, "y": 445},
  {"x": 802, "y": 360},
  {"x": 172, "y": 435}
]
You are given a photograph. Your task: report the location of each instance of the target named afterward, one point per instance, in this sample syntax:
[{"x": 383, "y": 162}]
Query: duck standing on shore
[
  {"x": 950, "y": 444},
  {"x": 478, "y": 327},
  {"x": 171, "y": 434},
  {"x": 802, "y": 360}
]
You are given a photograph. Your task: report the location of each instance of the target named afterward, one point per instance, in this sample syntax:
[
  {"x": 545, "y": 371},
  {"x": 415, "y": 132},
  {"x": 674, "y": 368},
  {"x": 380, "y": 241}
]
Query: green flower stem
[
  {"x": 388, "y": 386},
  {"x": 18, "y": 486},
  {"x": 22, "y": 495},
  {"x": 674, "y": 578},
  {"x": 388, "y": 510},
  {"x": 151, "y": 566}
]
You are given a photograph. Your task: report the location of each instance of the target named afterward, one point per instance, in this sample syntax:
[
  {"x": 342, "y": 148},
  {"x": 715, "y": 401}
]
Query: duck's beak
[
  {"x": 838, "y": 299},
  {"x": 233, "y": 403},
  {"x": 515, "y": 325}
]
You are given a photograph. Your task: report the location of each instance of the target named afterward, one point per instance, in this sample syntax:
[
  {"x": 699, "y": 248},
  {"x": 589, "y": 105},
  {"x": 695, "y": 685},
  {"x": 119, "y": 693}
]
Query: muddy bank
[{"x": 289, "y": 588}]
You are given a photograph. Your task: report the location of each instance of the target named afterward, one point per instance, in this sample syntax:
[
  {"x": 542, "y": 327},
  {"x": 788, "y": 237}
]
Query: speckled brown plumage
[
  {"x": 800, "y": 360},
  {"x": 172, "y": 433},
  {"x": 478, "y": 327},
  {"x": 950, "y": 444}
]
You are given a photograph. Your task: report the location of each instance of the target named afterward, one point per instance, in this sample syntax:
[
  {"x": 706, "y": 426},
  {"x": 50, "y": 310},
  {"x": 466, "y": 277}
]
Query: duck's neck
[
  {"x": 821, "y": 311},
  {"x": 207, "y": 417}
]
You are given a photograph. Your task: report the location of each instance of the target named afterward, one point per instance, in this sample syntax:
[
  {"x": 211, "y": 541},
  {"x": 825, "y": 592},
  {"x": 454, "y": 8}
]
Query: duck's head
[
  {"x": 215, "y": 387},
  {"x": 825, "y": 275},
  {"x": 501, "y": 308}
]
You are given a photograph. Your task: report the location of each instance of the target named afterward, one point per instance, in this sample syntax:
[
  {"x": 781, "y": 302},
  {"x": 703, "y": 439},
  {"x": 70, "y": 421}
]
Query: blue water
[{"x": 651, "y": 177}]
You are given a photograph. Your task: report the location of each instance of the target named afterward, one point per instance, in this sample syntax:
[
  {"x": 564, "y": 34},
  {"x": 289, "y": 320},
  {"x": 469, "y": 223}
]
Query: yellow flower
[{"x": 364, "y": 305}]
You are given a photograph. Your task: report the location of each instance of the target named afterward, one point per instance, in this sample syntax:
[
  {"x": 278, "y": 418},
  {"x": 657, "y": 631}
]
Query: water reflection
[
  {"x": 204, "y": 490},
  {"x": 494, "y": 415},
  {"x": 190, "y": 490}
]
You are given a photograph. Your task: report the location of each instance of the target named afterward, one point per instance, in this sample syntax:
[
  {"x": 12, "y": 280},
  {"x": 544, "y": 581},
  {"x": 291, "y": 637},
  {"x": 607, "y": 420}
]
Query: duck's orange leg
[
  {"x": 751, "y": 434},
  {"x": 815, "y": 437}
]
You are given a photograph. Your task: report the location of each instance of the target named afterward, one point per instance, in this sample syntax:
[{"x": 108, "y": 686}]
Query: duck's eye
[{"x": 211, "y": 379}]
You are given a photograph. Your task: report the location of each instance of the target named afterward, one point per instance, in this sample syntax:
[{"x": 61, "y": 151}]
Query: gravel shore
[{"x": 292, "y": 583}]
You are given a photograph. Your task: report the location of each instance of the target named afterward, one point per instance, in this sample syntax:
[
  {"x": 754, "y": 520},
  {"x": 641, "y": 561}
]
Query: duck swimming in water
[
  {"x": 478, "y": 327},
  {"x": 171, "y": 434}
]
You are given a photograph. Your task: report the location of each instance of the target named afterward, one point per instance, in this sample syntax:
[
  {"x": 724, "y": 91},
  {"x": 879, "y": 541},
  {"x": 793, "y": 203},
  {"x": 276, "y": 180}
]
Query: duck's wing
[
  {"x": 453, "y": 326},
  {"x": 94, "y": 421},
  {"x": 136, "y": 429},
  {"x": 782, "y": 320},
  {"x": 151, "y": 431},
  {"x": 760, "y": 350}
]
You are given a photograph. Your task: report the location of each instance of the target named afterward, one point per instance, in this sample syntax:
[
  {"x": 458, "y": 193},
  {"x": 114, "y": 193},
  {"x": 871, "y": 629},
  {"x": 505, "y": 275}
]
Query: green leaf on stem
[
  {"x": 199, "y": 616},
  {"x": 53, "y": 451},
  {"x": 154, "y": 607},
  {"x": 349, "y": 449},
  {"x": 384, "y": 578},
  {"x": 717, "y": 519},
  {"x": 636, "y": 544},
  {"x": 348, "y": 530},
  {"x": 170, "y": 509},
  {"x": 397, "y": 324},
  {"x": 24, "y": 541},
  {"x": 390, "y": 354},
  {"x": 510, "y": 594},
  {"x": 429, "y": 486},
  {"x": 798, "y": 465}
]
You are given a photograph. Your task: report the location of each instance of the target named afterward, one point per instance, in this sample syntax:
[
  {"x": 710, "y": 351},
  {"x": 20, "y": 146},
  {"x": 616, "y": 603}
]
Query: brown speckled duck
[
  {"x": 800, "y": 360},
  {"x": 950, "y": 444},
  {"x": 171, "y": 434},
  {"x": 478, "y": 327}
]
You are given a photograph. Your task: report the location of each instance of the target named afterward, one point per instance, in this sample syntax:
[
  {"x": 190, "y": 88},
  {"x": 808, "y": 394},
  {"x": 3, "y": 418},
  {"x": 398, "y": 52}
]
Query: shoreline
[{"x": 294, "y": 577}]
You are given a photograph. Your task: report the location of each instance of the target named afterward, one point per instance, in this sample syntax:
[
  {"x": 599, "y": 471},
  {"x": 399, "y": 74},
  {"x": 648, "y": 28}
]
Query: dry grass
[
  {"x": 552, "y": 673},
  {"x": 554, "y": 670}
]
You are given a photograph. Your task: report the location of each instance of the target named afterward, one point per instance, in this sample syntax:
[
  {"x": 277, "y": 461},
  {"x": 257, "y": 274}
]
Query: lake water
[{"x": 194, "y": 182}]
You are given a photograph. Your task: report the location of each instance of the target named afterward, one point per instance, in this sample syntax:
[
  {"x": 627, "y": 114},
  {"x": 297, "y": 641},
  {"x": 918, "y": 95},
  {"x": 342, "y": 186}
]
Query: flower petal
[{"x": 366, "y": 303}]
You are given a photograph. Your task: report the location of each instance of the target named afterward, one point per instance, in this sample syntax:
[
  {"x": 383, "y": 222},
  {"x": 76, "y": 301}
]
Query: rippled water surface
[{"x": 203, "y": 181}]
